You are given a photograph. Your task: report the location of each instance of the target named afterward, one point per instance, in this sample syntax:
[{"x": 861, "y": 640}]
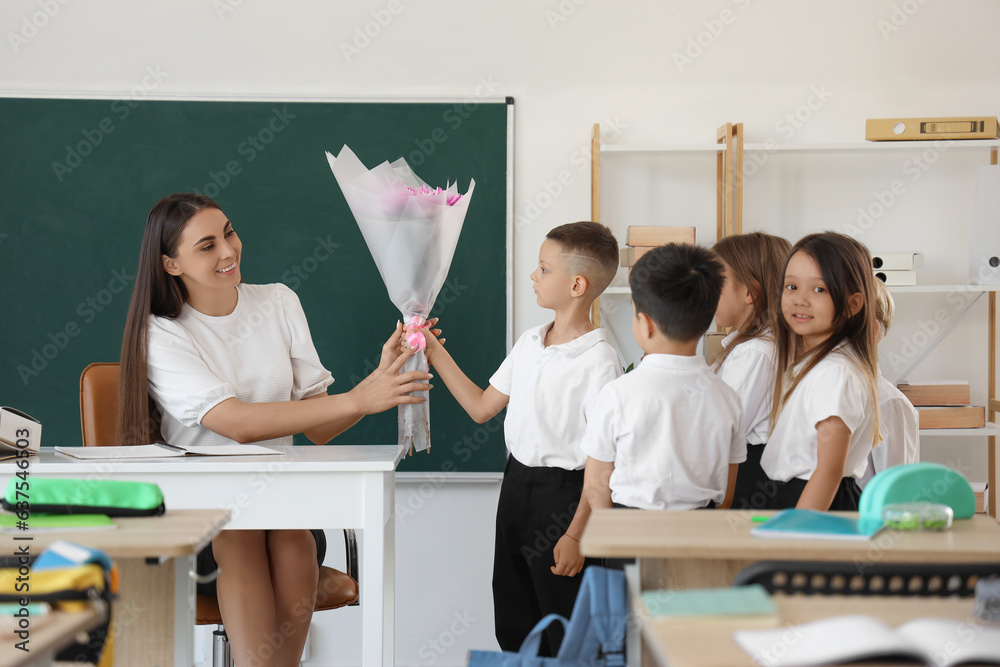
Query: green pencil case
[
  {"x": 918, "y": 482},
  {"x": 82, "y": 496}
]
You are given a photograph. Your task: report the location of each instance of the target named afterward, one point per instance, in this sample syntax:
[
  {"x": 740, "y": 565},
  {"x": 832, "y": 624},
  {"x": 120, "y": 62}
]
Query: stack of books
[
  {"x": 640, "y": 240},
  {"x": 945, "y": 404},
  {"x": 897, "y": 268}
]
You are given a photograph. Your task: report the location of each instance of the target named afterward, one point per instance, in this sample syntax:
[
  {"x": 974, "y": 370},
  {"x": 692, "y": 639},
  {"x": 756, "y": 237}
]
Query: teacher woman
[{"x": 207, "y": 359}]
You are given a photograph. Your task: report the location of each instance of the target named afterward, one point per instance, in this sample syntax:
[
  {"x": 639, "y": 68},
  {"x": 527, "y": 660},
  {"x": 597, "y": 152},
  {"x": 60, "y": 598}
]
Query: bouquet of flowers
[{"x": 411, "y": 230}]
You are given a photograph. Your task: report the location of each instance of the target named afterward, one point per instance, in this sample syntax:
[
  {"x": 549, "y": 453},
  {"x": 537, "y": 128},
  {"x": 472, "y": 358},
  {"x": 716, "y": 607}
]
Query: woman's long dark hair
[
  {"x": 156, "y": 292},
  {"x": 756, "y": 261},
  {"x": 846, "y": 266}
]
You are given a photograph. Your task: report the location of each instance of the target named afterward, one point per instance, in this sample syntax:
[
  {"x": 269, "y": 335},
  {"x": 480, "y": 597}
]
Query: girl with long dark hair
[{"x": 825, "y": 408}]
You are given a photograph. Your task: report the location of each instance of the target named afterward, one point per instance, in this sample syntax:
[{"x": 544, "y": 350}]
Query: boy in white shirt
[
  {"x": 546, "y": 382},
  {"x": 898, "y": 418},
  {"x": 668, "y": 435}
]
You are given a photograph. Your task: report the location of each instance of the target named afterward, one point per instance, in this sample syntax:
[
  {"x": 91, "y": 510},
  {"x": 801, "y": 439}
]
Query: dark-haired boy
[
  {"x": 547, "y": 382},
  {"x": 668, "y": 435}
]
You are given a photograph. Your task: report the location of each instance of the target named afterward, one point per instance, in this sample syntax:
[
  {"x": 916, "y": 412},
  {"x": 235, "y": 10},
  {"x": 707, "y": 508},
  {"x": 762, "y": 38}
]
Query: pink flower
[{"x": 452, "y": 198}]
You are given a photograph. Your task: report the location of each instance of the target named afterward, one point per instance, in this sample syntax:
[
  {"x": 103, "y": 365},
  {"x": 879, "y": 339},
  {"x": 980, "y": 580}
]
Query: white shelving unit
[
  {"x": 991, "y": 430},
  {"x": 918, "y": 289},
  {"x": 878, "y": 146},
  {"x": 854, "y": 147},
  {"x": 668, "y": 148}
]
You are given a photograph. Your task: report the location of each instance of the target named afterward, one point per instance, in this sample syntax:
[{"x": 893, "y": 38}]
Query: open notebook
[
  {"x": 38, "y": 523},
  {"x": 163, "y": 450},
  {"x": 936, "y": 642}
]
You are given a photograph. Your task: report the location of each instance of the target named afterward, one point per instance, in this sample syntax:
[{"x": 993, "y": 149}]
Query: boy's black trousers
[{"x": 536, "y": 506}]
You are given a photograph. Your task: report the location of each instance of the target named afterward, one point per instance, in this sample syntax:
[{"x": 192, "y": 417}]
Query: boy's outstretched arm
[{"x": 479, "y": 404}]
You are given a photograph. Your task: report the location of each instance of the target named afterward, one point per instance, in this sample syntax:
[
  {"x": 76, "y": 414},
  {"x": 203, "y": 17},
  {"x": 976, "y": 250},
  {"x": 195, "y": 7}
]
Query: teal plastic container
[{"x": 918, "y": 482}]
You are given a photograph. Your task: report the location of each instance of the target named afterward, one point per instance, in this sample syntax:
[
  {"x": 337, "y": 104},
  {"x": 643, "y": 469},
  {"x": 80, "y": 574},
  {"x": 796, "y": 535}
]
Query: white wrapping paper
[{"x": 411, "y": 231}]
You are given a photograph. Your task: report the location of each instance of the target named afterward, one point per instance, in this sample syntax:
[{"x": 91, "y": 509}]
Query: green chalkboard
[{"x": 80, "y": 175}]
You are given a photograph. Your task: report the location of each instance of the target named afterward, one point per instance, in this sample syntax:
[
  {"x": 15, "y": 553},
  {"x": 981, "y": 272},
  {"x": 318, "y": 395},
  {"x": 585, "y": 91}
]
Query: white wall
[{"x": 569, "y": 64}]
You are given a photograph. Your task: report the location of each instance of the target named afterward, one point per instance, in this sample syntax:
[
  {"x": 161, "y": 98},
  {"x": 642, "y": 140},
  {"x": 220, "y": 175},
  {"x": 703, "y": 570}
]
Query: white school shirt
[
  {"x": 835, "y": 387},
  {"x": 260, "y": 353},
  {"x": 550, "y": 389},
  {"x": 749, "y": 369},
  {"x": 671, "y": 427},
  {"x": 900, "y": 426}
]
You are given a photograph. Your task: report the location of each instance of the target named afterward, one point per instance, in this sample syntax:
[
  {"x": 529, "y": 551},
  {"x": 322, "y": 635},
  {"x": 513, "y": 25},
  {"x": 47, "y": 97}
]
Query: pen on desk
[{"x": 759, "y": 519}]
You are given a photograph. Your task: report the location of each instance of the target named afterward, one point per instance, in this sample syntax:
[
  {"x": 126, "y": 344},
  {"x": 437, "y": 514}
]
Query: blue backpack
[{"x": 595, "y": 635}]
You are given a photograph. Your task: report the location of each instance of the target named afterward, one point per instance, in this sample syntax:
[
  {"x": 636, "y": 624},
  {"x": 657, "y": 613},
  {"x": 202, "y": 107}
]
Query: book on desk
[
  {"x": 740, "y": 603},
  {"x": 931, "y": 641},
  {"x": 809, "y": 524},
  {"x": 163, "y": 450}
]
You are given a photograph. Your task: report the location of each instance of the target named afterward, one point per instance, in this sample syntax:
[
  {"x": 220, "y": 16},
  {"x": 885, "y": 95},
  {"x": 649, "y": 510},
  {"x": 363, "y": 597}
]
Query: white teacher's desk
[{"x": 329, "y": 487}]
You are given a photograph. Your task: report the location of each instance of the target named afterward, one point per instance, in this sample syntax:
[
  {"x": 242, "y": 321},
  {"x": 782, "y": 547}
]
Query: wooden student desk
[
  {"x": 706, "y": 549},
  {"x": 711, "y": 644},
  {"x": 330, "y": 487},
  {"x": 154, "y": 612}
]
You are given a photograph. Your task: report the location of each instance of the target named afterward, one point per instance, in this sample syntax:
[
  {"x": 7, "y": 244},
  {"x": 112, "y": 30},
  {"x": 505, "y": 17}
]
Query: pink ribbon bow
[{"x": 415, "y": 338}]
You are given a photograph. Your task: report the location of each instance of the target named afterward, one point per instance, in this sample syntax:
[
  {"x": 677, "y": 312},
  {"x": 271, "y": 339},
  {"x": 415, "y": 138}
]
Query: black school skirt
[
  {"x": 751, "y": 490},
  {"x": 786, "y": 495}
]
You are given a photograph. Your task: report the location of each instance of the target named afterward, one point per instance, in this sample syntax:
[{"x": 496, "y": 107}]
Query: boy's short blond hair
[
  {"x": 589, "y": 249},
  {"x": 885, "y": 308}
]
